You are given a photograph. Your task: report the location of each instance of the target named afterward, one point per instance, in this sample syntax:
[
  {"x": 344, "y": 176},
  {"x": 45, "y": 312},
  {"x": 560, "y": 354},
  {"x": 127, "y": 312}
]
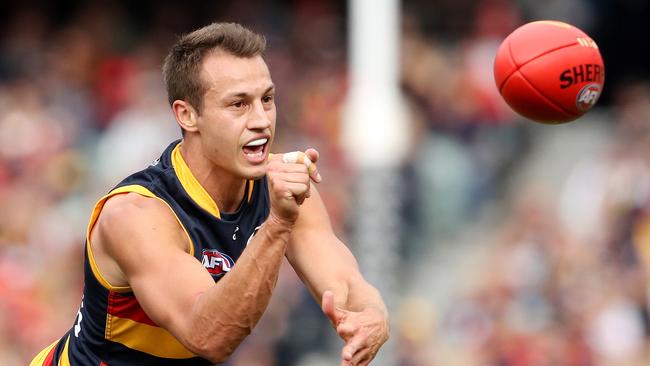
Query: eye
[
  {"x": 238, "y": 104},
  {"x": 267, "y": 98}
]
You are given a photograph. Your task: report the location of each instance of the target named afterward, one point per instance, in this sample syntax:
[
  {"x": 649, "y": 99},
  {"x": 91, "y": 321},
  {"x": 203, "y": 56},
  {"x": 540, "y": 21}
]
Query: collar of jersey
[{"x": 192, "y": 186}]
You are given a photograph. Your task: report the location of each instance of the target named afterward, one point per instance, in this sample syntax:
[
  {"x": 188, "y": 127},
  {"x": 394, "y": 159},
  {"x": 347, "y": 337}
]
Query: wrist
[
  {"x": 278, "y": 227},
  {"x": 279, "y": 221}
]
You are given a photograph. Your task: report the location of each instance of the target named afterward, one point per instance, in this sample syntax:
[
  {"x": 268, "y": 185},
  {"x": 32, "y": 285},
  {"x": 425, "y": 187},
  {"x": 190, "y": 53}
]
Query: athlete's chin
[{"x": 254, "y": 172}]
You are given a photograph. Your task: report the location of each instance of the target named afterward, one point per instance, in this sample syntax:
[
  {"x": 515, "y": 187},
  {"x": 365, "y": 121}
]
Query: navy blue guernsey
[{"x": 111, "y": 329}]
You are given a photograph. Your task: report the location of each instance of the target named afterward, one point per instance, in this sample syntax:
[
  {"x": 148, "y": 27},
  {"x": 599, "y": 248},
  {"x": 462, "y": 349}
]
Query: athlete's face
[{"x": 237, "y": 122}]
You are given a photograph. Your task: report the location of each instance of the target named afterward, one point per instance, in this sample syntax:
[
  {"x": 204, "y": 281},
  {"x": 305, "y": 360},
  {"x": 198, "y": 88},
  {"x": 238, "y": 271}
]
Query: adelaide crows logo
[{"x": 217, "y": 263}]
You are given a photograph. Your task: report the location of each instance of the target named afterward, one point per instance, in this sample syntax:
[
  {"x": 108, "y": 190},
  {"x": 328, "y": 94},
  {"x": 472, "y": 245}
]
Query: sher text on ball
[{"x": 580, "y": 74}]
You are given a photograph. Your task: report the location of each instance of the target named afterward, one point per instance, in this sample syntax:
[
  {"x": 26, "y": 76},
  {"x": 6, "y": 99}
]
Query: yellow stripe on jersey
[
  {"x": 145, "y": 338},
  {"x": 98, "y": 275},
  {"x": 192, "y": 186},
  {"x": 65, "y": 360},
  {"x": 93, "y": 219},
  {"x": 251, "y": 183},
  {"x": 41, "y": 356}
]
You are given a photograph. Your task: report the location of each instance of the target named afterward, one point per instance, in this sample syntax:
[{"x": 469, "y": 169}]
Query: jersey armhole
[{"x": 93, "y": 219}]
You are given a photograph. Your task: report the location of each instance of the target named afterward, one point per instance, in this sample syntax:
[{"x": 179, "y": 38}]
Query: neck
[{"x": 225, "y": 189}]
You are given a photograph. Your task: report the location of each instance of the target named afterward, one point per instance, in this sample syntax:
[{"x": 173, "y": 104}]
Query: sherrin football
[{"x": 549, "y": 72}]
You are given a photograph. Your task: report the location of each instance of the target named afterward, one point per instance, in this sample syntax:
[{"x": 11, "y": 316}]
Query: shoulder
[
  {"x": 128, "y": 229},
  {"x": 131, "y": 215},
  {"x": 125, "y": 207}
]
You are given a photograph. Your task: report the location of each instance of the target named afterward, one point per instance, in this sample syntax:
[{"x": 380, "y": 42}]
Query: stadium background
[{"x": 517, "y": 239}]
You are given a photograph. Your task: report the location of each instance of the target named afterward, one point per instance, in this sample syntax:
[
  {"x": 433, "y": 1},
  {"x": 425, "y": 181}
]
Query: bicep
[
  {"x": 319, "y": 258},
  {"x": 143, "y": 237}
]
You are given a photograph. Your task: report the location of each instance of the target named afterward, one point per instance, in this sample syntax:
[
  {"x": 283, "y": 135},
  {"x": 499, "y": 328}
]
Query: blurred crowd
[
  {"x": 564, "y": 279},
  {"x": 83, "y": 106}
]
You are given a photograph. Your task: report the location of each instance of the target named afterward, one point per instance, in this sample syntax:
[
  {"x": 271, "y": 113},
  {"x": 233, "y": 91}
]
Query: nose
[{"x": 260, "y": 117}]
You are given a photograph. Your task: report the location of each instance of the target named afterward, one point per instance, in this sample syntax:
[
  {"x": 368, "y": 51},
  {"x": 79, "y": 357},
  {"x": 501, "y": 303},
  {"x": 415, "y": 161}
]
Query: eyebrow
[{"x": 245, "y": 95}]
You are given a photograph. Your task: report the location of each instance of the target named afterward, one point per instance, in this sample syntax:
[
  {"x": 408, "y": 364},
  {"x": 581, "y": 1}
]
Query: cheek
[
  {"x": 217, "y": 130},
  {"x": 214, "y": 140},
  {"x": 225, "y": 141}
]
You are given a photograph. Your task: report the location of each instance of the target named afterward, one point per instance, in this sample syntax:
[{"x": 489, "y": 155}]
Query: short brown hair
[{"x": 182, "y": 67}]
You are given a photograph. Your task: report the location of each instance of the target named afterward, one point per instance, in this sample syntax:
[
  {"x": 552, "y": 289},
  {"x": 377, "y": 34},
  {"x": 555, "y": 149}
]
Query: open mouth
[{"x": 255, "y": 150}]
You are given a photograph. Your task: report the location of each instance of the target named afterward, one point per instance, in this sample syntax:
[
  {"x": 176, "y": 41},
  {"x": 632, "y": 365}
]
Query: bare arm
[
  {"x": 139, "y": 243},
  {"x": 331, "y": 273},
  {"x": 174, "y": 289},
  {"x": 324, "y": 263}
]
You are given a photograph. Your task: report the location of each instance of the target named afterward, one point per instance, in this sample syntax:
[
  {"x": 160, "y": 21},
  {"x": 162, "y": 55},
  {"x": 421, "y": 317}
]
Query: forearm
[{"x": 225, "y": 314}]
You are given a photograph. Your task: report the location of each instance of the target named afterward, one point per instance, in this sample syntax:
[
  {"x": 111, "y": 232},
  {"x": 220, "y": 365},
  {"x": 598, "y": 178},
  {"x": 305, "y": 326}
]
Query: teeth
[{"x": 257, "y": 142}]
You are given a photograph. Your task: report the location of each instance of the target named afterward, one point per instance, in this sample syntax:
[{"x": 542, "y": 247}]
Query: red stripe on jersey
[
  {"x": 50, "y": 357},
  {"x": 103, "y": 364},
  {"x": 127, "y": 307}
]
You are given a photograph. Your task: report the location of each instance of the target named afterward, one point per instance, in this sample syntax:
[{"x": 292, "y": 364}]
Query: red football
[{"x": 549, "y": 71}]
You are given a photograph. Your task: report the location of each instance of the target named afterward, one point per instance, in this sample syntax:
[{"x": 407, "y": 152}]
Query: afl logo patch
[
  {"x": 217, "y": 263},
  {"x": 587, "y": 97}
]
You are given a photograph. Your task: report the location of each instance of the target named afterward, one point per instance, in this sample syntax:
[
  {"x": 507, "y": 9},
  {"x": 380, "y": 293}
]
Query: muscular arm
[
  {"x": 148, "y": 251},
  {"x": 325, "y": 264}
]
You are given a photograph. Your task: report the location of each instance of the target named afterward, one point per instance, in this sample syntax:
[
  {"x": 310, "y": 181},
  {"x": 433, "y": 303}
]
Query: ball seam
[
  {"x": 551, "y": 101},
  {"x": 517, "y": 66}
]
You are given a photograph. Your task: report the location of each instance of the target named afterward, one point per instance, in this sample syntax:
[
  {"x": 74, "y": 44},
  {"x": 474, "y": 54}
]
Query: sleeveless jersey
[{"x": 111, "y": 329}]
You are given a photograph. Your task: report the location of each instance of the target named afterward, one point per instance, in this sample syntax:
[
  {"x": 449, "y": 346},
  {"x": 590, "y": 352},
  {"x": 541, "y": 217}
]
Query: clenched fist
[{"x": 290, "y": 176}]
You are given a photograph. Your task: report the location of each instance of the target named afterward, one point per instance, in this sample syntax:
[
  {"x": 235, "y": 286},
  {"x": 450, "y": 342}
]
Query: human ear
[{"x": 186, "y": 116}]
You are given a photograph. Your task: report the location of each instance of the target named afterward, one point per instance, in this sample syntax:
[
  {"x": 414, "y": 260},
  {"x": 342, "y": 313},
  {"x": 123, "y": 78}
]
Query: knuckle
[{"x": 279, "y": 186}]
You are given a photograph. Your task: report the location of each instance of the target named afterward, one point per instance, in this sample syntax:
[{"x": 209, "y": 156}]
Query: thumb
[{"x": 328, "y": 307}]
